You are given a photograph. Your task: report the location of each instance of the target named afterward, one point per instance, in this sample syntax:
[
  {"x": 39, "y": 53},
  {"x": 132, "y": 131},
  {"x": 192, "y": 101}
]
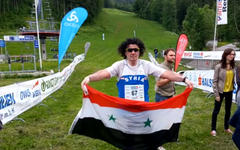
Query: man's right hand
[
  {"x": 85, "y": 81},
  {"x": 218, "y": 98}
]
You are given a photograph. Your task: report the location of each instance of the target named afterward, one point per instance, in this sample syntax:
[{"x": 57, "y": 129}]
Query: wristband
[{"x": 184, "y": 79}]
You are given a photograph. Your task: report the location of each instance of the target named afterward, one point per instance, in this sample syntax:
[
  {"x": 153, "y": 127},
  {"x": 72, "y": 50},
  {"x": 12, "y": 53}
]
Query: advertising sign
[
  {"x": 2, "y": 43},
  {"x": 70, "y": 24},
  {"x": 222, "y": 12},
  {"x": 181, "y": 46}
]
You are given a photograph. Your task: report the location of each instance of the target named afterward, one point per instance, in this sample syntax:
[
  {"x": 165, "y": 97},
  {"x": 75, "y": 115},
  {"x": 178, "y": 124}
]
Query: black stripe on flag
[{"x": 95, "y": 129}]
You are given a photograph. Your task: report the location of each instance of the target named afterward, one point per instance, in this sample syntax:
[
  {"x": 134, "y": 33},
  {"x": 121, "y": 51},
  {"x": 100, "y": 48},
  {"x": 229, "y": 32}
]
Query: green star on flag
[
  {"x": 147, "y": 123},
  {"x": 112, "y": 118}
]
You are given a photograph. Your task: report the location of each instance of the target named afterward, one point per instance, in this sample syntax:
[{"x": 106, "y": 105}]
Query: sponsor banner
[
  {"x": 19, "y": 38},
  {"x": 2, "y": 43},
  {"x": 207, "y": 55},
  {"x": 181, "y": 46},
  {"x": 222, "y": 12},
  {"x": 70, "y": 24},
  {"x": 202, "y": 79},
  {"x": 19, "y": 97},
  {"x": 36, "y": 44}
]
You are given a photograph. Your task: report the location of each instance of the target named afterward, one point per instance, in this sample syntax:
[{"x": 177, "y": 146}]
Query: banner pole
[
  {"x": 39, "y": 44},
  {"x": 59, "y": 68},
  {"x": 215, "y": 28}
]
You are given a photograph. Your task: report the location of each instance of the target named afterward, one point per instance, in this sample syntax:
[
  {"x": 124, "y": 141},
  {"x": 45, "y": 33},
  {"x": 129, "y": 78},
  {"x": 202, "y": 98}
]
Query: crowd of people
[{"x": 132, "y": 73}]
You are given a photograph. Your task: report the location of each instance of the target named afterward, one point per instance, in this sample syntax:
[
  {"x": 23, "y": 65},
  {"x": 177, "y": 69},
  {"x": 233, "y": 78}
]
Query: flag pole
[
  {"x": 38, "y": 38},
  {"x": 215, "y": 27}
]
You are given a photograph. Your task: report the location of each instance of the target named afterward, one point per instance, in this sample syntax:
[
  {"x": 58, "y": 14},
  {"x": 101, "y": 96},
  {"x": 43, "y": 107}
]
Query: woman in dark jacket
[{"x": 223, "y": 83}]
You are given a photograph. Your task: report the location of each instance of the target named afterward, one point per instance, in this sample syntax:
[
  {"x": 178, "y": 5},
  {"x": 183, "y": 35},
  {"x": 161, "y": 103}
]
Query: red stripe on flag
[{"x": 136, "y": 106}]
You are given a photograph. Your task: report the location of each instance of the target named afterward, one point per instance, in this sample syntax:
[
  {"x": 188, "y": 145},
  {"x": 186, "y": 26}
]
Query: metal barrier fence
[{"x": 19, "y": 63}]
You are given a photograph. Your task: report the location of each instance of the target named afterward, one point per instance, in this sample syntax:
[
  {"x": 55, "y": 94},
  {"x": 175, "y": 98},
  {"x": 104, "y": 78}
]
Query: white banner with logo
[
  {"x": 207, "y": 55},
  {"x": 222, "y": 12},
  {"x": 202, "y": 79},
  {"x": 19, "y": 97}
]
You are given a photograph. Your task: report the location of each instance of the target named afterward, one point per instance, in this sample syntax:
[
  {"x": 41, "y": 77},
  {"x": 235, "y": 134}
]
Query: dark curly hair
[
  {"x": 223, "y": 61},
  {"x": 122, "y": 47},
  {"x": 167, "y": 51}
]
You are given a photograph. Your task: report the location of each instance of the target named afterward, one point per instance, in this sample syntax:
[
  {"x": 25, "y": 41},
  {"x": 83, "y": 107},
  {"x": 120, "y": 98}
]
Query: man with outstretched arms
[{"x": 133, "y": 72}]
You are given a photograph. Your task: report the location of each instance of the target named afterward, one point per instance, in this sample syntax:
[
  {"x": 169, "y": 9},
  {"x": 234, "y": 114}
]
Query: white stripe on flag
[{"x": 132, "y": 122}]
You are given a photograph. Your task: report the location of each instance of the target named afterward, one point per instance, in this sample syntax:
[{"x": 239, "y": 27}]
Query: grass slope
[{"x": 46, "y": 126}]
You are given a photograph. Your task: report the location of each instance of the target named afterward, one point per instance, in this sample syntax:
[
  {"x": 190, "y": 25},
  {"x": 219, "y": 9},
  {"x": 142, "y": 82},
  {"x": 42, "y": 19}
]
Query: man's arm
[
  {"x": 161, "y": 82},
  {"x": 97, "y": 76},
  {"x": 173, "y": 76}
]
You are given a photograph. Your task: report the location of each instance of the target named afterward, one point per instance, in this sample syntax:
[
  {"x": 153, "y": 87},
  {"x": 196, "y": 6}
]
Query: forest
[
  {"x": 14, "y": 13},
  {"x": 193, "y": 17}
]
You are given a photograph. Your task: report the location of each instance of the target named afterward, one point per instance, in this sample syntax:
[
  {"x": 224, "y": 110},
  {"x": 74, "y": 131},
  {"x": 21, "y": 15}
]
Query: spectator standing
[
  {"x": 164, "y": 88},
  {"x": 156, "y": 53},
  {"x": 223, "y": 82}
]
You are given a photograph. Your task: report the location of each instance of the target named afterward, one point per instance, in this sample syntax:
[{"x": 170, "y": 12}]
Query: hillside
[{"x": 46, "y": 126}]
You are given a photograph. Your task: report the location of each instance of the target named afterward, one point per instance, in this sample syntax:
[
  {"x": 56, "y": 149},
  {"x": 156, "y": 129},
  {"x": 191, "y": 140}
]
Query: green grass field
[{"x": 46, "y": 126}]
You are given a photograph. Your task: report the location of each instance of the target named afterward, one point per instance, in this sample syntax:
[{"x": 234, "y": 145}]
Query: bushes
[
  {"x": 61, "y": 7},
  {"x": 12, "y": 13}
]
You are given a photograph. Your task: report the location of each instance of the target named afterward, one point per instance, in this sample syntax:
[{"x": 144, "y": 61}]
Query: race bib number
[{"x": 134, "y": 92}]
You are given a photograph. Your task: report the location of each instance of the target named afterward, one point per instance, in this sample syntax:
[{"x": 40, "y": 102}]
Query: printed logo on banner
[
  {"x": 36, "y": 84},
  {"x": 7, "y": 100},
  {"x": 197, "y": 54},
  {"x": 25, "y": 94},
  {"x": 49, "y": 83},
  {"x": 222, "y": 7},
  {"x": 28, "y": 94},
  {"x": 36, "y": 93},
  {"x": 187, "y": 54},
  {"x": 73, "y": 17},
  {"x": 7, "y": 113},
  {"x": 205, "y": 81}
]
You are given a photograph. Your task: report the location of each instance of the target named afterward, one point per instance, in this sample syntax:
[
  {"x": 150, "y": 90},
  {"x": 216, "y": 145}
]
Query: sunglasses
[{"x": 132, "y": 49}]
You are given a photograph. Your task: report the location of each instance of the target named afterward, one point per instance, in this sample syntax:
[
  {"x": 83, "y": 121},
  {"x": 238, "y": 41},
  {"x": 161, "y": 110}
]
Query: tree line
[
  {"x": 14, "y": 13},
  {"x": 61, "y": 7},
  {"x": 126, "y": 5},
  {"x": 193, "y": 17}
]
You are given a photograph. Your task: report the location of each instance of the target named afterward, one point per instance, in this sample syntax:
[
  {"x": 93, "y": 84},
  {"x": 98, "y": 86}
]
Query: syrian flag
[{"x": 129, "y": 124}]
